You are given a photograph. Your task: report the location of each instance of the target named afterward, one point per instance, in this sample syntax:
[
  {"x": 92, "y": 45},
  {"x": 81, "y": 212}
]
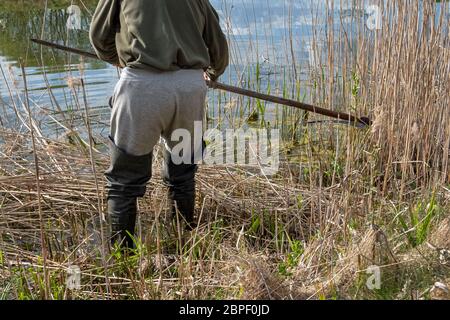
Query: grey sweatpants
[{"x": 148, "y": 105}]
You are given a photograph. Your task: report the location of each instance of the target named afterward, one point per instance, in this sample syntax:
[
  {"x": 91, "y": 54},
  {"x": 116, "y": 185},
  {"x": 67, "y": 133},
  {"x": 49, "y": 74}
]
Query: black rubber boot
[
  {"x": 126, "y": 178},
  {"x": 185, "y": 207},
  {"x": 180, "y": 179},
  {"x": 122, "y": 212}
]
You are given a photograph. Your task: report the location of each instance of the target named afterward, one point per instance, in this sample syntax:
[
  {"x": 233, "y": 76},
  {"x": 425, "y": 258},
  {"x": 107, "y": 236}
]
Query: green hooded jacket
[{"x": 164, "y": 35}]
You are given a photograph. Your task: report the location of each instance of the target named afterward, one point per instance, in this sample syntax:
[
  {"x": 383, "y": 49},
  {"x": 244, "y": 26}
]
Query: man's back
[{"x": 165, "y": 35}]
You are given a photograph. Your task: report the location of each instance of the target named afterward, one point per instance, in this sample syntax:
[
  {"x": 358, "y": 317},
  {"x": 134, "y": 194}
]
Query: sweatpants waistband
[{"x": 145, "y": 74}]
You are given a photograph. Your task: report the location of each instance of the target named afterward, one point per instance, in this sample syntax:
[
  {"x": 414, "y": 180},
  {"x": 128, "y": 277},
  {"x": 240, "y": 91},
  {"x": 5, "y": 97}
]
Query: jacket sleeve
[
  {"x": 216, "y": 42},
  {"x": 104, "y": 26}
]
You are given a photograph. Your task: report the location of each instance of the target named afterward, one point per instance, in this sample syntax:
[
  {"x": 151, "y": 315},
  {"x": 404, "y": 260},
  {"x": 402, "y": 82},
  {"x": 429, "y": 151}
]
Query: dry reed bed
[
  {"x": 69, "y": 203},
  {"x": 241, "y": 261}
]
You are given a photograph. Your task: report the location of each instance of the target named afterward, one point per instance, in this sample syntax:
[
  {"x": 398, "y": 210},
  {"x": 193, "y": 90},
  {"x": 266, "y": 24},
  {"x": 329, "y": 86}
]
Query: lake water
[{"x": 271, "y": 39}]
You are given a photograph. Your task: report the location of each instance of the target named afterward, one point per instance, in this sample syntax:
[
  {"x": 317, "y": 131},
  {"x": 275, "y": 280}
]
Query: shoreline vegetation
[{"x": 344, "y": 201}]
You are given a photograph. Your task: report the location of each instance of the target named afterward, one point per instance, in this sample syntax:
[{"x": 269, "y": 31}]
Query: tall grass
[
  {"x": 407, "y": 85},
  {"x": 344, "y": 199}
]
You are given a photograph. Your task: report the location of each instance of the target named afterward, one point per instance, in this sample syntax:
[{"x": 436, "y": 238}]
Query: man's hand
[{"x": 206, "y": 76}]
